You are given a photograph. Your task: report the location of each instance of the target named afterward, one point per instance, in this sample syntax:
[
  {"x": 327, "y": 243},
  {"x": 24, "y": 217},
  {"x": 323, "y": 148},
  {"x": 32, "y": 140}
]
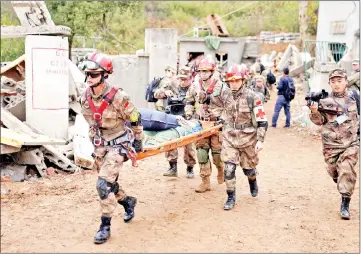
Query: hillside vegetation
[{"x": 121, "y": 24}]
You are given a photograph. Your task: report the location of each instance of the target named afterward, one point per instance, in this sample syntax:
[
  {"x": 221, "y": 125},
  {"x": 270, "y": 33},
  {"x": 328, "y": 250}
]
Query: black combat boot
[
  {"x": 253, "y": 187},
  {"x": 345, "y": 214},
  {"x": 172, "y": 171},
  {"x": 103, "y": 233},
  {"x": 128, "y": 203},
  {"x": 190, "y": 173},
  {"x": 231, "y": 200}
]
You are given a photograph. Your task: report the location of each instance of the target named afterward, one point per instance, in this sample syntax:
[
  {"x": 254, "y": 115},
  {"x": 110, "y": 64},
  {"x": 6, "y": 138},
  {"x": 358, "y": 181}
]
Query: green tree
[
  {"x": 11, "y": 48},
  {"x": 93, "y": 18}
]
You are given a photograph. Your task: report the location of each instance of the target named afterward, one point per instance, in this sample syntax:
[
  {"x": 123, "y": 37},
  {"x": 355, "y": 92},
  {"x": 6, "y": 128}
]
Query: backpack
[
  {"x": 271, "y": 79},
  {"x": 290, "y": 90},
  {"x": 151, "y": 88},
  {"x": 357, "y": 99}
]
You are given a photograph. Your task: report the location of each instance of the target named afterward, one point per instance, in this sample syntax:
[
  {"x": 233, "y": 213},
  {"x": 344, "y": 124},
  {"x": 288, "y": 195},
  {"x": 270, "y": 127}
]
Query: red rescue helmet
[
  {"x": 206, "y": 65},
  {"x": 98, "y": 62},
  {"x": 236, "y": 72}
]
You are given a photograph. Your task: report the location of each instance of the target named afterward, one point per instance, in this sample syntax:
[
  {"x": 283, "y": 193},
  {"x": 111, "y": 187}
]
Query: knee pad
[
  {"x": 249, "y": 172},
  {"x": 202, "y": 155},
  {"x": 229, "y": 171},
  {"x": 104, "y": 188}
]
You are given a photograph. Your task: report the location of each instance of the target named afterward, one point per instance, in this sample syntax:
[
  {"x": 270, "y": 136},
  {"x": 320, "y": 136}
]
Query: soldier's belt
[
  {"x": 122, "y": 139},
  {"x": 242, "y": 126},
  {"x": 212, "y": 118}
]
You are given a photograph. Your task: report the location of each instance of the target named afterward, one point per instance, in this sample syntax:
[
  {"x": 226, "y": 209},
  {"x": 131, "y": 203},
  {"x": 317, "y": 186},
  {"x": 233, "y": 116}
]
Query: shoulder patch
[{"x": 134, "y": 116}]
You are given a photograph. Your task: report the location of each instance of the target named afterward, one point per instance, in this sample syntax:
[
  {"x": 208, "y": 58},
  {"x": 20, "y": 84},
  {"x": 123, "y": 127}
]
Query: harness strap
[
  {"x": 107, "y": 99},
  {"x": 210, "y": 88}
]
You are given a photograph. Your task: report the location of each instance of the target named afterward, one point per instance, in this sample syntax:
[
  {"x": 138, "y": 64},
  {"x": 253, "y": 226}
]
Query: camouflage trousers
[
  {"x": 341, "y": 164},
  {"x": 213, "y": 143},
  {"x": 189, "y": 155},
  {"x": 246, "y": 157},
  {"x": 108, "y": 164}
]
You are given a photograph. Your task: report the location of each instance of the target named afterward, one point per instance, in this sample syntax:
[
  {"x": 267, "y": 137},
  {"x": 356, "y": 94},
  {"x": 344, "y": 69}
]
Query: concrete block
[
  {"x": 162, "y": 46},
  {"x": 14, "y": 171},
  {"x": 47, "y": 84}
]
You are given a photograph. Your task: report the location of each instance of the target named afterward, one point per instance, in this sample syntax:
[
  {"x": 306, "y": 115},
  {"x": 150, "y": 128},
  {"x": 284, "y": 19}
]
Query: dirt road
[{"x": 297, "y": 209}]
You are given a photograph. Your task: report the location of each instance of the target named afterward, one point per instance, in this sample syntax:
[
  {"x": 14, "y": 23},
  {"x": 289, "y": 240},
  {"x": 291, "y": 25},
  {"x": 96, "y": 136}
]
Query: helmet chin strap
[{"x": 210, "y": 76}]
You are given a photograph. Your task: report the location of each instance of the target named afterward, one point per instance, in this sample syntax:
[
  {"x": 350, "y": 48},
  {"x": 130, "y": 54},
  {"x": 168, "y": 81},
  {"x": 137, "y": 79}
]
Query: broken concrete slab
[
  {"x": 30, "y": 157},
  {"x": 6, "y": 149},
  {"x": 54, "y": 155},
  {"x": 17, "y": 107},
  {"x": 301, "y": 69},
  {"x": 14, "y": 171},
  {"x": 15, "y": 70},
  {"x": 284, "y": 61}
]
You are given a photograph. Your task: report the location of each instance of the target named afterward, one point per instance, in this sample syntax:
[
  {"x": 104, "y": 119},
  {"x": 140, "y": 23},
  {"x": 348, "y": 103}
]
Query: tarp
[{"x": 212, "y": 42}]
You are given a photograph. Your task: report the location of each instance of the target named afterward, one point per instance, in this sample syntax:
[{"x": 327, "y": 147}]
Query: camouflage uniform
[
  {"x": 263, "y": 91},
  {"x": 246, "y": 124},
  {"x": 189, "y": 150},
  {"x": 165, "y": 84},
  {"x": 197, "y": 106},
  {"x": 109, "y": 160},
  {"x": 340, "y": 141},
  {"x": 354, "y": 81}
]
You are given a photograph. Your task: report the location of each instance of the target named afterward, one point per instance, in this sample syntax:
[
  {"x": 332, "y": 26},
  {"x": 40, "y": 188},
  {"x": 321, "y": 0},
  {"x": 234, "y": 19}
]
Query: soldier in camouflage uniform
[
  {"x": 243, "y": 134},
  {"x": 169, "y": 83},
  {"x": 354, "y": 79},
  {"x": 250, "y": 77},
  {"x": 259, "y": 86},
  {"x": 338, "y": 116},
  {"x": 205, "y": 101},
  {"x": 189, "y": 150},
  {"x": 114, "y": 142}
]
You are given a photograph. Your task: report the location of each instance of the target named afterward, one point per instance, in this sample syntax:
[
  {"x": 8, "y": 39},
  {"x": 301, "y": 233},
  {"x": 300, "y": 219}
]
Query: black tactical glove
[
  {"x": 138, "y": 146},
  {"x": 219, "y": 121}
]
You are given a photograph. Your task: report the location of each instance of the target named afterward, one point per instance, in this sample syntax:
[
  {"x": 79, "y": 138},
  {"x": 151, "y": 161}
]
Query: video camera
[
  {"x": 175, "y": 106},
  {"x": 315, "y": 96}
]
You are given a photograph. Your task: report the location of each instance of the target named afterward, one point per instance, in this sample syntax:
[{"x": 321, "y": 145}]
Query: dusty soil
[{"x": 297, "y": 209}]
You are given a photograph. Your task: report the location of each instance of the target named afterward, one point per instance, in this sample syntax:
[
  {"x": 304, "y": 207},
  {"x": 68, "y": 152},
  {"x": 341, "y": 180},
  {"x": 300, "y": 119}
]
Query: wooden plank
[
  {"x": 6, "y": 149},
  {"x": 8, "y": 92},
  {"x": 13, "y": 64},
  {"x": 11, "y": 139},
  {"x": 21, "y": 31},
  {"x": 8, "y": 135}
]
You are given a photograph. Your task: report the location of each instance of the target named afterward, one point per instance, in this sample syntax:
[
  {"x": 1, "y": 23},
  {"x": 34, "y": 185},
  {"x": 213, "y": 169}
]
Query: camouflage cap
[
  {"x": 356, "y": 61},
  {"x": 184, "y": 72},
  {"x": 170, "y": 68},
  {"x": 337, "y": 73}
]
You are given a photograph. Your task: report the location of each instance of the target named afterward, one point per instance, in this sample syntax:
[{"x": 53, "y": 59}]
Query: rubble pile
[
  {"x": 271, "y": 38},
  {"x": 27, "y": 154},
  {"x": 301, "y": 66}
]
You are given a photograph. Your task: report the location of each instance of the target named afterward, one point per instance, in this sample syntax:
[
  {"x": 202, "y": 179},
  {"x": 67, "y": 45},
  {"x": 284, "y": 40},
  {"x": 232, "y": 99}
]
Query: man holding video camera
[
  {"x": 174, "y": 105},
  {"x": 338, "y": 114}
]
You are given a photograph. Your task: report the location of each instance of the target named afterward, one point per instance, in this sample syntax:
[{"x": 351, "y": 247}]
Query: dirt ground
[{"x": 297, "y": 209}]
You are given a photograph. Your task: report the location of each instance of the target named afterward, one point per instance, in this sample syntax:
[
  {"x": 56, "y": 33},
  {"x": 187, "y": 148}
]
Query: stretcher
[
  {"x": 83, "y": 147},
  {"x": 179, "y": 142}
]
